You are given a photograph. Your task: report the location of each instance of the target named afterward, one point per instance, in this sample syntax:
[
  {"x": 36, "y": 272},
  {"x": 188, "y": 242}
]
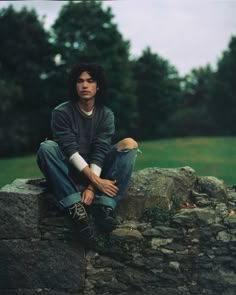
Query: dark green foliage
[
  {"x": 177, "y": 203},
  {"x": 157, "y": 91},
  {"x": 25, "y": 53},
  {"x": 193, "y": 115},
  {"x": 224, "y": 91},
  {"x": 157, "y": 216},
  {"x": 25, "y": 57}
]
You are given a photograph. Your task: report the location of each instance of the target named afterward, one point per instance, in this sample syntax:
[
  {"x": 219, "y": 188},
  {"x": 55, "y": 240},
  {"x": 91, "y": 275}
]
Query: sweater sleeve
[
  {"x": 101, "y": 144},
  {"x": 63, "y": 134}
]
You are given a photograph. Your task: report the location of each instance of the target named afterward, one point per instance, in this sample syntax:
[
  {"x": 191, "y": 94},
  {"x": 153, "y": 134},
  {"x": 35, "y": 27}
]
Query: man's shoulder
[
  {"x": 65, "y": 106},
  {"x": 106, "y": 110}
]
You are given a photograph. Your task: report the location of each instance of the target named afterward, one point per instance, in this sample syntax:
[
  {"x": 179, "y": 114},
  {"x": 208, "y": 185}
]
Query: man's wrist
[
  {"x": 91, "y": 176},
  {"x": 91, "y": 188},
  {"x": 96, "y": 169}
]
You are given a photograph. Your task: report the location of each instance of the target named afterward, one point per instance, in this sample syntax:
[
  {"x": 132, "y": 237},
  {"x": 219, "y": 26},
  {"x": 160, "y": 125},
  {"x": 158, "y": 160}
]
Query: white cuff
[
  {"x": 78, "y": 161},
  {"x": 96, "y": 169}
]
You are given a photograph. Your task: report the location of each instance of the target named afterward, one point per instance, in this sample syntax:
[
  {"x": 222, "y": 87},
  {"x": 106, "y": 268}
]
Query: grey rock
[
  {"x": 107, "y": 262},
  {"x": 225, "y": 236},
  {"x": 155, "y": 187},
  {"x": 221, "y": 210},
  {"x": 213, "y": 187},
  {"x": 157, "y": 291},
  {"x": 128, "y": 235},
  {"x": 32, "y": 263},
  {"x": 219, "y": 278},
  {"x": 38, "y": 291},
  {"x": 195, "y": 217},
  {"x": 163, "y": 232},
  {"x": 231, "y": 221},
  {"x": 19, "y": 210}
]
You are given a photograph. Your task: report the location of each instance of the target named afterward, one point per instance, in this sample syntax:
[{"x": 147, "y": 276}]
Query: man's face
[{"x": 86, "y": 87}]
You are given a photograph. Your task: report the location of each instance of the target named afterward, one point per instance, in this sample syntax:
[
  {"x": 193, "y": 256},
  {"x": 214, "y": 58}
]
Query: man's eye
[
  {"x": 90, "y": 80},
  {"x": 79, "y": 81}
]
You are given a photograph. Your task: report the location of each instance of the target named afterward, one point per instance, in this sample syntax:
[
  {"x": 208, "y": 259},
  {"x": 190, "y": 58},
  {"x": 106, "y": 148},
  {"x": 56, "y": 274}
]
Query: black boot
[
  {"x": 104, "y": 218},
  {"x": 79, "y": 214}
]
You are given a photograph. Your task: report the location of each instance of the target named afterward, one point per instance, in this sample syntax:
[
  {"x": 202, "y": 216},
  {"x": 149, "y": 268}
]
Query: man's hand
[
  {"x": 107, "y": 186},
  {"x": 104, "y": 185},
  {"x": 88, "y": 196}
]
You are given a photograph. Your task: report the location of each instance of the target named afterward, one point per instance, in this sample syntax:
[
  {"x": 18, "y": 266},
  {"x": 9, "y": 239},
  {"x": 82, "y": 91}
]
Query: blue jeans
[{"x": 62, "y": 177}]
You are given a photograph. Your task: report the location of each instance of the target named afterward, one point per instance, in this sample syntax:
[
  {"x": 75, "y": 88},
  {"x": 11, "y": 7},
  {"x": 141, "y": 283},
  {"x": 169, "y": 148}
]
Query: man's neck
[{"x": 86, "y": 106}]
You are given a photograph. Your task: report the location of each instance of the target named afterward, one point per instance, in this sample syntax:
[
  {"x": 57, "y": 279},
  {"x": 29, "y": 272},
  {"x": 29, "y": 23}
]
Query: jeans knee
[
  {"x": 127, "y": 143},
  {"x": 47, "y": 147}
]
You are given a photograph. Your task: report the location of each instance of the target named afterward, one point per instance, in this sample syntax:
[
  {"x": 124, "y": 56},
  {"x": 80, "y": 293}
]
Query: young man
[{"x": 81, "y": 167}]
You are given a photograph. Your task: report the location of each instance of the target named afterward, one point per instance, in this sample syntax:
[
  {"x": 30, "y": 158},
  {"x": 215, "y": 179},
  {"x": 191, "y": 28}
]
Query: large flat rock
[
  {"x": 156, "y": 187},
  {"x": 32, "y": 264},
  {"x": 19, "y": 210}
]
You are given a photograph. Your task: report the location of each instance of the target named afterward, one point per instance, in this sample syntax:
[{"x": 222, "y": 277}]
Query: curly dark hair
[{"x": 96, "y": 71}]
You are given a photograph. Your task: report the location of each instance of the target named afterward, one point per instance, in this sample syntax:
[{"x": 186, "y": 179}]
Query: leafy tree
[
  {"x": 25, "y": 58},
  {"x": 157, "y": 91},
  {"x": 193, "y": 115},
  {"x": 224, "y": 91},
  {"x": 25, "y": 53},
  {"x": 85, "y": 32}
]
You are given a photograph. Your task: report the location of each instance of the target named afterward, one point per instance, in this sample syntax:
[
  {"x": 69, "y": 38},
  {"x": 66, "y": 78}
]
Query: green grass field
[{"x": 214, "y": 156}]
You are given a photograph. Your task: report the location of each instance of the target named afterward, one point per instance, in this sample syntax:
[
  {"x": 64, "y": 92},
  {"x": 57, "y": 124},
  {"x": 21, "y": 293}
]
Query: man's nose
[{"x": 85, "y": 84}]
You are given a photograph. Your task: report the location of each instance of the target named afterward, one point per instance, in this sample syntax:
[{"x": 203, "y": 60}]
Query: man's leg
[
  {"x": 55, "y": 168},
  {"x": 118, "y": 166}
]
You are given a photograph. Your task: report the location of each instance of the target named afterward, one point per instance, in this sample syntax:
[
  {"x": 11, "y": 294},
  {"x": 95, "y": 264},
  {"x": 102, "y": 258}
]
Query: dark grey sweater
[{"x": 90, "y": 136}]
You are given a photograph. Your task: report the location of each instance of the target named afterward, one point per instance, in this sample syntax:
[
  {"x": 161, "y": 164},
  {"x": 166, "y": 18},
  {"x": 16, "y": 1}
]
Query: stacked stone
[
  {"x": 192, "y": 252},
  {"x": 38, "y": 250}
]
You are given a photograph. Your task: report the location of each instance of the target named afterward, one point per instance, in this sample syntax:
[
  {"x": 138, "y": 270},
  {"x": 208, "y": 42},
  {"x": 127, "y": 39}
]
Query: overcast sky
[{"x": 188, "y": 33}]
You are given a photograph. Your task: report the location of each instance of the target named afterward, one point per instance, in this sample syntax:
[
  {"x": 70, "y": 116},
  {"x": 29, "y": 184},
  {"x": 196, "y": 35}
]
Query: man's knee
[
  {"x": 127, "y": 143},
  {"x": 47, "y": 147}
]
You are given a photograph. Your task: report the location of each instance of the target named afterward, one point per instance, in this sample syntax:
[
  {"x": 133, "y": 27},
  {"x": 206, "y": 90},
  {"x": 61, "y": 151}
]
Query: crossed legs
[{"x": 118, "y": 166}]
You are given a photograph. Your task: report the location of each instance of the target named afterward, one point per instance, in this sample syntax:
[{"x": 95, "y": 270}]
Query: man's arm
[
  {"x": 101, "y": 143},
  {"x": 104, "y": 185},
  {"x": 62, "y": 130}
]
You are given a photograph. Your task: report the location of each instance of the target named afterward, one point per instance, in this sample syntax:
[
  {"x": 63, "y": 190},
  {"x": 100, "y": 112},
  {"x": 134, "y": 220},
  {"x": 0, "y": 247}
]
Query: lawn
[{"x": 206, "y": 155}]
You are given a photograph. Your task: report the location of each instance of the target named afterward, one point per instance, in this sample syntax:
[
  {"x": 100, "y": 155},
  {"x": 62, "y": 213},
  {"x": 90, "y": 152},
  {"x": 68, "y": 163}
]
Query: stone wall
[
  {"x": 177, "y": 236},
  {"x": 39, "y": 253}
]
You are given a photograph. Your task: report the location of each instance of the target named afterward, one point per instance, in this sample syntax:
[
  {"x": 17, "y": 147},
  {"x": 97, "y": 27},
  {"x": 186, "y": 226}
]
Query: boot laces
[{"x": 78, "y": 211}]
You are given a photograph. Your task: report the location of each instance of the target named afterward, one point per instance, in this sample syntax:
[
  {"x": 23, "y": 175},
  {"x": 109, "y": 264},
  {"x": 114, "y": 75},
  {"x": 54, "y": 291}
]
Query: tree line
[{"x": 148, "y": 96}]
